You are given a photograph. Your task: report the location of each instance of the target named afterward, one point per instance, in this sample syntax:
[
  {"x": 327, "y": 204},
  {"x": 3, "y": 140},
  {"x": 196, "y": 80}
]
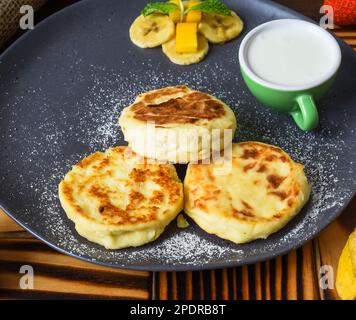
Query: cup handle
[{"x": 305, "y": 114}]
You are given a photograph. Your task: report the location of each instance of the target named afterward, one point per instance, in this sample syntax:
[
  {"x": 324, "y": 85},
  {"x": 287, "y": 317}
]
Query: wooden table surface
[{"x": 292, "y": 276}]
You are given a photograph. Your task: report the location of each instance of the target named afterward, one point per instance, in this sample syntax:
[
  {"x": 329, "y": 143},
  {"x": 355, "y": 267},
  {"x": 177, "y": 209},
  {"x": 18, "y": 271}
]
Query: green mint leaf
[
  {"x": 211, "y": 6},
  {"x": 159, "y": 7}
]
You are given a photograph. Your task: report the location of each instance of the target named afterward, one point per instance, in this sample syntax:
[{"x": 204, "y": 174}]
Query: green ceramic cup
[{"x": 295, "y": 100}]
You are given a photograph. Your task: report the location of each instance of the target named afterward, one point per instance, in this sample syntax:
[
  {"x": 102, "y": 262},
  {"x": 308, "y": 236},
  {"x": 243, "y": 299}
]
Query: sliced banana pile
[
  {"x": 220, "y": 29},
  {"x": 151, "y": 31},
  {"x": 159, "y": 29},
  {"x": 169, "y": 49}
]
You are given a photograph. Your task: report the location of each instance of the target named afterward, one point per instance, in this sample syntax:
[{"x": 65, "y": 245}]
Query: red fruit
[{"x": 344, "y": 11}]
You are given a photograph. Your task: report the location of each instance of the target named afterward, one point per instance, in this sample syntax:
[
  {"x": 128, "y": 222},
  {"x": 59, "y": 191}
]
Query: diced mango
[
  {"x": 187, "y": 37},
  {"x": 175, "y": 16},
  {"x": 193, "y": 16}
]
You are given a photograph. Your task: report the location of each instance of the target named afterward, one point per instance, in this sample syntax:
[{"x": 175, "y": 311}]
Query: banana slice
[
  {"x": 169, "y": 49},
  {"x": 219, "y": 29},
  {"x": 151, "y": 31}
]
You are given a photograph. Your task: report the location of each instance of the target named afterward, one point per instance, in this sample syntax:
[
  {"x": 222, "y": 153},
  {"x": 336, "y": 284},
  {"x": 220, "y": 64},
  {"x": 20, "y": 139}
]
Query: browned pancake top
[
  {"x": 269, "y": 170},
  {"x": 190, "y": 107},
  {"x": 138, "y": 208}
]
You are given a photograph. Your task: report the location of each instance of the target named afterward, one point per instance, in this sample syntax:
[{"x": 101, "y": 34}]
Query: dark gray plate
[{"x": 63, "y": 85}]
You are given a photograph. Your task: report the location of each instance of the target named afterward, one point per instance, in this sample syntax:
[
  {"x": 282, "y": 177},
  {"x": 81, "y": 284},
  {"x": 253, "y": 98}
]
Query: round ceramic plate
[{"x": 63, "y": 86}]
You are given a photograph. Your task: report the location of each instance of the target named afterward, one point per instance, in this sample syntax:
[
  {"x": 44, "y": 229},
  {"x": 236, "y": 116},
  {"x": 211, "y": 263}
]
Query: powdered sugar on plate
[
  {"x": 61, "y": 101},
  {"x": 96, "y": 128}
]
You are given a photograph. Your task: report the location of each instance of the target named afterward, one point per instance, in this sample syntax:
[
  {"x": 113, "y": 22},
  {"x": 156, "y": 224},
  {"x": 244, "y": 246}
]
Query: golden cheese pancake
[
  {"x": 261, "y": 192},
  {"x": 177, "y": 124},
  {"x": 118, "y": 200}
]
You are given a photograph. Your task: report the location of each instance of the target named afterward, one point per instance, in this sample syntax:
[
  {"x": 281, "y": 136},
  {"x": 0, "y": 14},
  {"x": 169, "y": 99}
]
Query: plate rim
[
  {"x": 186, "y": 267},
  {"x": 179, "y": 266}
]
